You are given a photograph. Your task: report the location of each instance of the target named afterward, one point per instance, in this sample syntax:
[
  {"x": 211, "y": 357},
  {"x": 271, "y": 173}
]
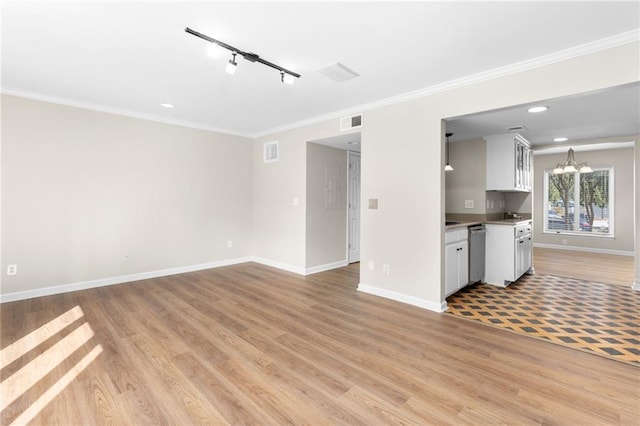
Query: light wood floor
[
  {"x": 603, "y": 268},
  {"x": 248, "y": 344}
]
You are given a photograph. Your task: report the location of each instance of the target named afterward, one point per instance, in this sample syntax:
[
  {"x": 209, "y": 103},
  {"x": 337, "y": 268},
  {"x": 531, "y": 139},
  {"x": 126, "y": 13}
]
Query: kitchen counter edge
[{"x": 510, "y": 222}]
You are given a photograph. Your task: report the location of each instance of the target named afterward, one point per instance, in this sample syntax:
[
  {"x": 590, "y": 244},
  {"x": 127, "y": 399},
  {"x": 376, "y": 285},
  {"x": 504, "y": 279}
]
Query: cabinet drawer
[{"x": 456, "y": 235}]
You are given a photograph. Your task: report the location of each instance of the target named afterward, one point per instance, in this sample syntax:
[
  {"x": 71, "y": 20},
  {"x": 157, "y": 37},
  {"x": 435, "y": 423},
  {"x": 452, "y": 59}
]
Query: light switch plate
[
  {"x": 468, "y": 204},
  {"x": 373, "y": 203}
]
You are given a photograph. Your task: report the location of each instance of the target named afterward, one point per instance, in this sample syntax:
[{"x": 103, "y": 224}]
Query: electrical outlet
[
  {"x": 385, "y": 269},
  {"x": 564, "y": 241},
  {"x": 229, "y": 244},
  {"x": 12, "y": 269},
  {"x": 371, "y": 265},
  {"x": 468, "y": 204},
  {"x": 295, "y": 202}
]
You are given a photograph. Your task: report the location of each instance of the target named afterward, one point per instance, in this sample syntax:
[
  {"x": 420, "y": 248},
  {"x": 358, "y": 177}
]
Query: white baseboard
[
  {"x": 585, "y": 249},
  {"x": 295, "y": 269},
  {"x": 84, "y": 285},
  {"x": 300, "y": 270},
  {"x": 326, "y": 267},
  {"x": 399, "y": 297}
]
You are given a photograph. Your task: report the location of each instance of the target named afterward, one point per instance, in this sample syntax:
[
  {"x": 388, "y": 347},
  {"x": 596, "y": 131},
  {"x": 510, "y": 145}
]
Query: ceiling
[
  {"x": 603, "y": 114},
  {"x": 129, "y": 57}
]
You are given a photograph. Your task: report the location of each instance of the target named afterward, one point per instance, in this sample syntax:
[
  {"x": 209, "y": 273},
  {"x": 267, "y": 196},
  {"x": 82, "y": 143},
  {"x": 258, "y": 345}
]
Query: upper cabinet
[{"x": 508, "y": 163}]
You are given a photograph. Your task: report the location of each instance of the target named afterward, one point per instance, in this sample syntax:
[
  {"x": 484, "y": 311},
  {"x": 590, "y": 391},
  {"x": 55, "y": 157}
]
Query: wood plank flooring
[
  {"x": 248, "y": 344},
  {"x": 598, "y": 267}
]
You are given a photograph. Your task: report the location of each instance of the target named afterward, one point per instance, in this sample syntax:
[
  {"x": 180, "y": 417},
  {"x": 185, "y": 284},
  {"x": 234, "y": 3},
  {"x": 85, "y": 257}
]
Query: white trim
[
  {"x": 585, "y": 249},
  {"x": 84, "y": 285},
  {"x": 562, "y": 149},
  {"x": 562, "y": 55},
  {"x": 399, "y": 297},
  {"x": 325, "y": 267},
  {"x": 636, "y": 285},
  {"x": 285, "y": 267},
  {"x": 117, "y": 111}
]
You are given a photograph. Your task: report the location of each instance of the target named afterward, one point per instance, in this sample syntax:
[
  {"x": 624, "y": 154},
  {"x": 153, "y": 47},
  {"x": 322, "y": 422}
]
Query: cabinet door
[
  {"x": 529, "y": 254},
  {"x": 523, "y": 255},
  {"x": 451, "y": 269},
  {"x": 463, "y": 264}
]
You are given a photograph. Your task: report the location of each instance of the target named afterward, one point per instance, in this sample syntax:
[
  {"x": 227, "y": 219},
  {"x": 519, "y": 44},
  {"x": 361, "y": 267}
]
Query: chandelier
[{"x": 571, "y": 165}]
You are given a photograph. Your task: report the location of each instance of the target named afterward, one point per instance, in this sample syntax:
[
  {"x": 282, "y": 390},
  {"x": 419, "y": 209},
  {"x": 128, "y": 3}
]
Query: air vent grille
[
  {"x": 271, "y": 152},
  {"x": 516, "y": 128},
  {"x": 351, "y": 122}
]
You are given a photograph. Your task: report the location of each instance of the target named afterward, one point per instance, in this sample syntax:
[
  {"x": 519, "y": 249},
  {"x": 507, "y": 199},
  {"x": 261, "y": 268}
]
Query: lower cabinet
[
  {"x": 509, "y": 252},
  {"x": 456, "y": 254}
]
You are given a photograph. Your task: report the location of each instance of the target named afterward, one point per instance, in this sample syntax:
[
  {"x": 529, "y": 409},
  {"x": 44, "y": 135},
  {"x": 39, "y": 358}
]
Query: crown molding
[
  {"x": 581, "y": 147},
  {"x": 529, "y": 64},
  {"x": 116, "y": 111}
]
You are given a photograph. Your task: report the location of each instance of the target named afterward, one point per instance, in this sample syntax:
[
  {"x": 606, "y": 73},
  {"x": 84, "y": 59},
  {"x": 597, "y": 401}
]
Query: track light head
[
  {"x": 232, "y": 65},
  {"x": 286, "y": 78}
]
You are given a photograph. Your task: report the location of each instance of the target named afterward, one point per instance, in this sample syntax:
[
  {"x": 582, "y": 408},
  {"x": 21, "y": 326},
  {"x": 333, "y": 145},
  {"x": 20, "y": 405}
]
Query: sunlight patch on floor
[{"x": 29, "y": 375}]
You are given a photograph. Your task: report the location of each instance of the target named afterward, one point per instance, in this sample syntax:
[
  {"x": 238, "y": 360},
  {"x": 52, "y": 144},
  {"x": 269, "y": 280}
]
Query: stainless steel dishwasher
[{"x": 477, "y": 234}]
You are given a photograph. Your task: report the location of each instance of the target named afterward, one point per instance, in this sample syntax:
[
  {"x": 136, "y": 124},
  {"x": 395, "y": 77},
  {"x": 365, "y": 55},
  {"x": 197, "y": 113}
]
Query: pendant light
[
  {"x": 447, "y": 167},
  {"x": 571, "y": 165}
]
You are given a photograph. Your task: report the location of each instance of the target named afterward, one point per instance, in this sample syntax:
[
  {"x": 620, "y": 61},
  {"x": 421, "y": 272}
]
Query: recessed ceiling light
[
  {"x": 560, "y": 139},
  {"x": 166, "y": 105},
  {"x": 540, "y": 108}
]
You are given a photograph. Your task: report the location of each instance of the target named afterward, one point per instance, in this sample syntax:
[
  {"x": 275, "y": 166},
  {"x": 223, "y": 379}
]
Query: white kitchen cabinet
[
  {"x": 508, "y": 252},
  {"x": 456, "y": 255},
  {"x": 508, "y": 163}
]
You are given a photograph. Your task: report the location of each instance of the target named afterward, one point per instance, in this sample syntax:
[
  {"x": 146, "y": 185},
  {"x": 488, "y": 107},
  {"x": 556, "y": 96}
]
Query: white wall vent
[
  {"x": 271, "y": 153},
  {"x": 351, "y": 122}
]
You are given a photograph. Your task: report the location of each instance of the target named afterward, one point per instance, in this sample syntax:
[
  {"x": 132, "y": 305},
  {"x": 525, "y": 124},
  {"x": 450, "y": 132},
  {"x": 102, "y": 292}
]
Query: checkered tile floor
[{"x": 600, "y": 318}]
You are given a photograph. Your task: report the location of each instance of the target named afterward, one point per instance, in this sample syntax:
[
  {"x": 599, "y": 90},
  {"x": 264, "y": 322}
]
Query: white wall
[
  {"x": 402, "y": 166},
  {"x": 622, "y": 161},
  {"x": 279, "y": 226},
  {"x": 326, "y": 222},
  {"x": 88, "y": 195},
  {"x": 468, "y": 179},
  {"x": 112, "y": 185}
]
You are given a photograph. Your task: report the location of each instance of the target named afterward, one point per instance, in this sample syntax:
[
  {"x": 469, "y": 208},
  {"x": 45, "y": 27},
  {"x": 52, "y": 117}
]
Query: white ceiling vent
[
  {"x": 271, "y": 152},
  {"x": 351, "y": 122},
  {"x": 338, "y": 72}
]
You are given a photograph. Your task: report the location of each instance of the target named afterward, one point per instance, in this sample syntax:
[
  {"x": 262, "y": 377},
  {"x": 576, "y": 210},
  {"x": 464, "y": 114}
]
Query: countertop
[
  {"x": 462, "y": 224},
  {"x": 465, "y": 224},
  {"x": 508, "y": 221}
]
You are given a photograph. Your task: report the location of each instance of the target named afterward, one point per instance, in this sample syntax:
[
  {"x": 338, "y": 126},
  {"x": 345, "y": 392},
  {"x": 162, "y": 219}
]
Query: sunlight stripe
[
  {"x": 19, "y": 382},
  {"x": 21, "y": 346},
  {"x": 58, "y": 387}
]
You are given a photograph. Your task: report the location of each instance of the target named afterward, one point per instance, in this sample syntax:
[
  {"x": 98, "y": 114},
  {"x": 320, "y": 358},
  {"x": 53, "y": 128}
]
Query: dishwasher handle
[{"x": 478, "y": 231}]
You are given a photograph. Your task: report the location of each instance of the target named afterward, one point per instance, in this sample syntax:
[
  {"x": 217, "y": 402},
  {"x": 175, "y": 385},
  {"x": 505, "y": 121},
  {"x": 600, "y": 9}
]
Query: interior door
[{"x": 354, "y": 207}]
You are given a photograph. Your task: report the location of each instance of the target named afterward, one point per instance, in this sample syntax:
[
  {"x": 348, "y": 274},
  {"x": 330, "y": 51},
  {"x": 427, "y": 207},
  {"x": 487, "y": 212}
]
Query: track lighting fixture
[{"x": 286, "y": 76}]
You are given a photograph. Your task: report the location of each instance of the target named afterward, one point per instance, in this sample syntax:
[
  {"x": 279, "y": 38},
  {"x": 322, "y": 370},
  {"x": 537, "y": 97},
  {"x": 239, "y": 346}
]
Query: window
[{"x": 579, "y": 203}]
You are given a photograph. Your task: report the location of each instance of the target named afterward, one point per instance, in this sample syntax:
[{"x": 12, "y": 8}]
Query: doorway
[{"x": 333, "y": 230}]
